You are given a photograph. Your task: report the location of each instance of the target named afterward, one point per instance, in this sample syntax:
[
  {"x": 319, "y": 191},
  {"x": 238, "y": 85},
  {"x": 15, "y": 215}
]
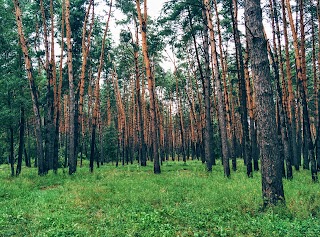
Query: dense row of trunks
[{"x": 255, "y": 119}]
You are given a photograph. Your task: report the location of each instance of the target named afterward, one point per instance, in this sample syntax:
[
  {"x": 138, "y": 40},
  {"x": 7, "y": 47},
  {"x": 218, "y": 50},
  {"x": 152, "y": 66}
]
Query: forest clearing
[{"x": 131, "y": 201}]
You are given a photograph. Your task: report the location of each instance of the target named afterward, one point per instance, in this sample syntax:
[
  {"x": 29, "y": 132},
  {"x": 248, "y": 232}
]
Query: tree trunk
[
  {"x": 182, "y": 131},
  {"x": 276, "y": 63},
  {"x": 72, "y": 156},
  {"x": 27, "y": 158},
  {"x": 54, "y": 97},
  {"x": 86, "y": 41},
  {"x": 49, "y": 127},
  {"x": 21, "y": 141},
  {"x": 171, "y": 128},
  {"x": 282, "y": 122},
  {"x": 66, "y": 130},
  {"x": 97, "y": 92},
  {"x": 33, "y": 89},
  {"x": 11, "y": 154},
  {"x": 272, "y": 187},
  {"x": 143, "y": 29},
  {"x": 300, "y": 63},
  {"x": 27, "y": 150},
  {"x": 200, "y": 121},
  {"x": 220, "y": 94},
  {"x": 291, "y": 104},
  {"x": 252, "y": 127},
  {"x": 208, "y": 151},
  {"x": 247, "y": 150},
  {"x": 140, "y": 117},
  {"x": 318, "y": 97},
  {"x": 58, "y": 92}
]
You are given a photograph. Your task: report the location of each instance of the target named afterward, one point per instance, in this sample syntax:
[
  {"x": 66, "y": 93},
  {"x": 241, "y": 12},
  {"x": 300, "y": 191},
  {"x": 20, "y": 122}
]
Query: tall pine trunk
[
  {"x": 151, "y": 86},
  {"x": 252, "y": 127},
  {"x": 49, "y": 126},
  {"x": 33, "y": 89},
  {"x": 58, "y": 92},
  {"x": 72, "y": 156},
  {"x": 281, "y": 92},
  {"x": 300, "y": 64},
  {"x": 86, "y": 41},
  {"x": 207, "y": 131},
  {"x": 291, "y": 100},
  {"x": 272, "y": 187},
  {"x": 242, "y": 90},
  {"x": 140, "y": 117},
  {"x": 220, "y": 94},
  {"x": 97, "y": 93}
]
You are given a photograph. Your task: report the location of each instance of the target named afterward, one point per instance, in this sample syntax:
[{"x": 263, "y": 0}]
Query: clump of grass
[{"x": 131, "y": 201}]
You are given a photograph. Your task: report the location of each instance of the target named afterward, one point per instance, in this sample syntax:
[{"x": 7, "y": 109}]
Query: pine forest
[{"x": 159, "y": 118}]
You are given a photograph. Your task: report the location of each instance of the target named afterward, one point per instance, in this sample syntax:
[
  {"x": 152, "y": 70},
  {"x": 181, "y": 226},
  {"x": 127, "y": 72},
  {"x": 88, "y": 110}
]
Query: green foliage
[
  {"x": 110, "y": 142},
  {"x": 131, "y": 201},
  {"x": 128, "y": 8},
  {"x": 14, "y": 91}
]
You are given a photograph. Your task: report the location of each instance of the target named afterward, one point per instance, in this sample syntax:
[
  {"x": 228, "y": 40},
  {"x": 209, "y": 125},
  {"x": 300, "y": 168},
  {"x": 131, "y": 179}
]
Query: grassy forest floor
[{"x": 131, "y": 201}]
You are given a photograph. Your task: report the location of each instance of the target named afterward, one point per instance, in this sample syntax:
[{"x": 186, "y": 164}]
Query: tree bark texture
[
  {"x": 302, "y": 86},
  {"x": 33, "y": 89},
  {"x": 291, "y": 99},
  {"x": 272, "y": 187},
  {"x": 220, "y": 95},
  {"x": 151, "y": 86},
  {"x": 72, "y": 156},
  {"x": 97, "y": 92},
  {"x": 247, "y": 150}
]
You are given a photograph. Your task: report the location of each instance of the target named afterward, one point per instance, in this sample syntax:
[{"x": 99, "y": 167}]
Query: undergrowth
[{"x": 183, "y": 200}]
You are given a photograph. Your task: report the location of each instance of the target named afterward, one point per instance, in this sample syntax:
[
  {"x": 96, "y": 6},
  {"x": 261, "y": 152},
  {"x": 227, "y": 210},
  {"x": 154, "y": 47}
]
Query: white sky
[{"x": 154, "y": 8}]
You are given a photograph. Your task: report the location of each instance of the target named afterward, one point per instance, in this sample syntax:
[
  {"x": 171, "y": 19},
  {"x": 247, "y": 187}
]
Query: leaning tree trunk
[
  {"x": 291, "y": 100},
  {"x": 220, "y": 95},
  {"x": 281, "y": 92},
  {"x": 282, "y": 121},
  {"x": 300, "y": 63},
  {"x": 207, "y": 131},
  {"x": 272, "y": 187},
  {"x": 97, "y": 93},
  {"x": 33, "y": 89}
]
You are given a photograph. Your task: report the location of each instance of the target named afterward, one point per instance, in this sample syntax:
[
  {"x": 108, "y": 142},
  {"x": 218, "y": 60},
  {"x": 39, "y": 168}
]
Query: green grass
[{"x": 131, "y": 201}]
